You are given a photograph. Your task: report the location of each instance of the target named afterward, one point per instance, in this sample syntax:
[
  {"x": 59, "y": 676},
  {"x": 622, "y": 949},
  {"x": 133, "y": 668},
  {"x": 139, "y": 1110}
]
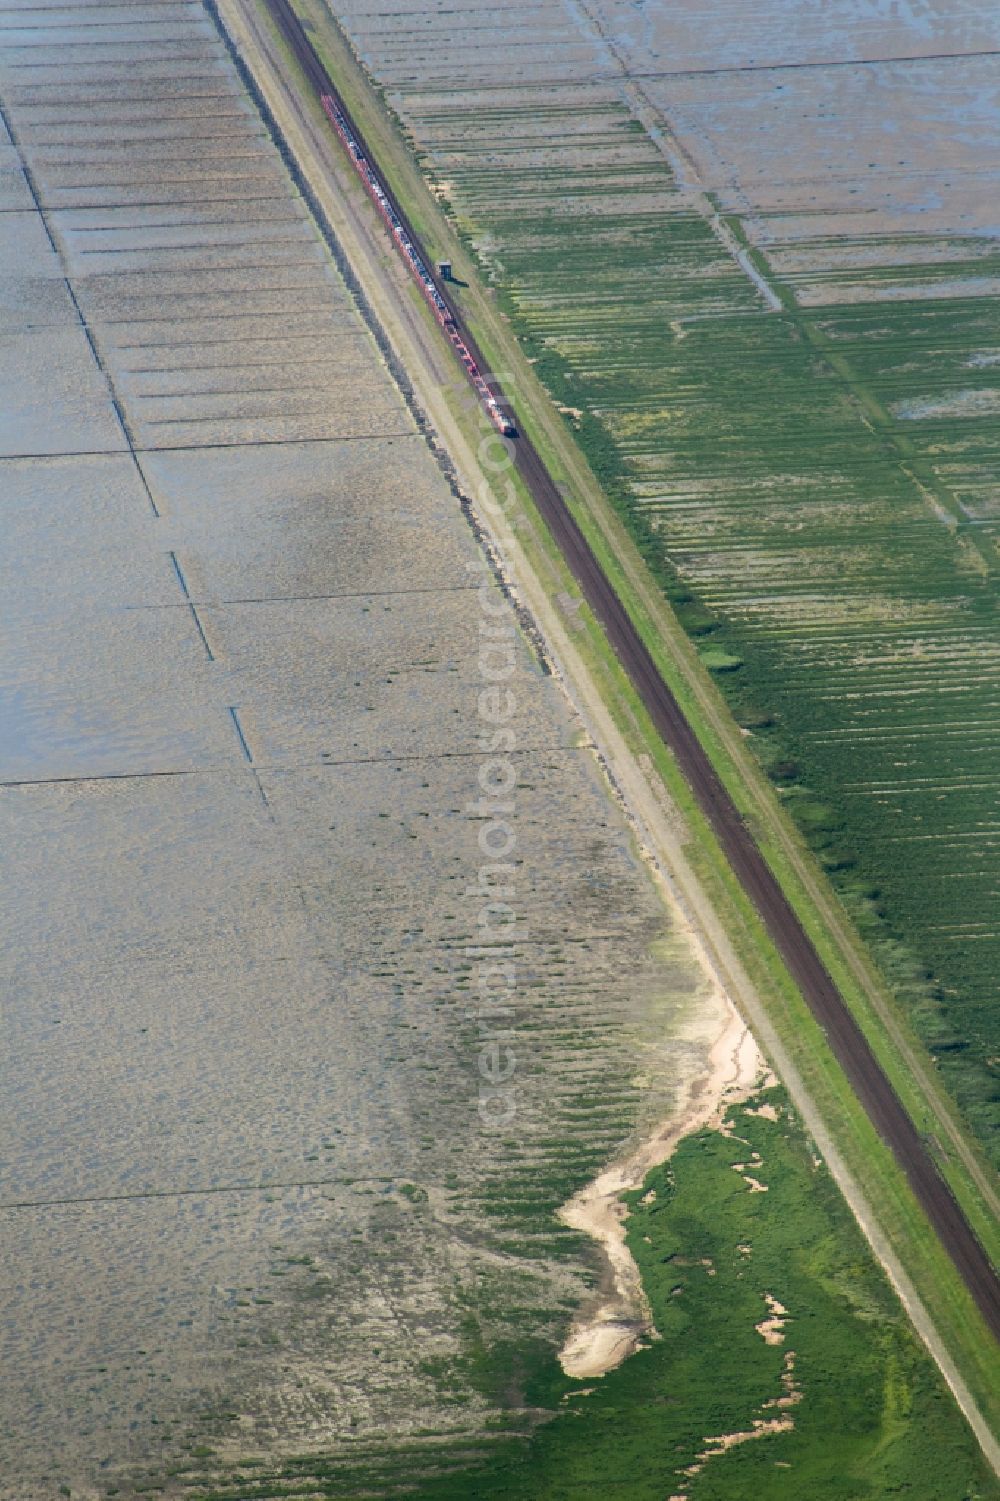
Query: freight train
[{"x": 419, "y": 271}]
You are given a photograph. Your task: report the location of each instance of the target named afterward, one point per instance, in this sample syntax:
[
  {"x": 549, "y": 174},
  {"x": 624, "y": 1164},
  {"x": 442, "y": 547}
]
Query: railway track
[{"x": 845, "y": 1037}]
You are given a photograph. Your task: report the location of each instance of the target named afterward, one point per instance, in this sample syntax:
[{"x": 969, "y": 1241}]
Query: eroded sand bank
[{"x": 607, "y": 1334}]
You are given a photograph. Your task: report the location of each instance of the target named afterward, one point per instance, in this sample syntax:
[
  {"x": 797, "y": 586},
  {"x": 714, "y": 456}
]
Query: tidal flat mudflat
[
  {"x": 753, "y": 255},
  {"x": 246, "y": 1197}
]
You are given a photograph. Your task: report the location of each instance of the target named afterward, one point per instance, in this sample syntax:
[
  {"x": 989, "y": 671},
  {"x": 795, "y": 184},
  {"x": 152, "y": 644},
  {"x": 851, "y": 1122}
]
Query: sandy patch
[
  {"x": 604, "y": 1336},
  {"x": 767, "y": 1111},
  {"x": 792, "y": 1392},
  {"x": 771, "y": 1329},
  {"x": 723, "y": 1441}
]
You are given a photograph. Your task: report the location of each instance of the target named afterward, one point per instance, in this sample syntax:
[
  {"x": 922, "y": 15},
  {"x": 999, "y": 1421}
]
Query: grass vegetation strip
[
  {"x": 830, "y": 1394},
  {"x": 930, "y": 1270}
]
